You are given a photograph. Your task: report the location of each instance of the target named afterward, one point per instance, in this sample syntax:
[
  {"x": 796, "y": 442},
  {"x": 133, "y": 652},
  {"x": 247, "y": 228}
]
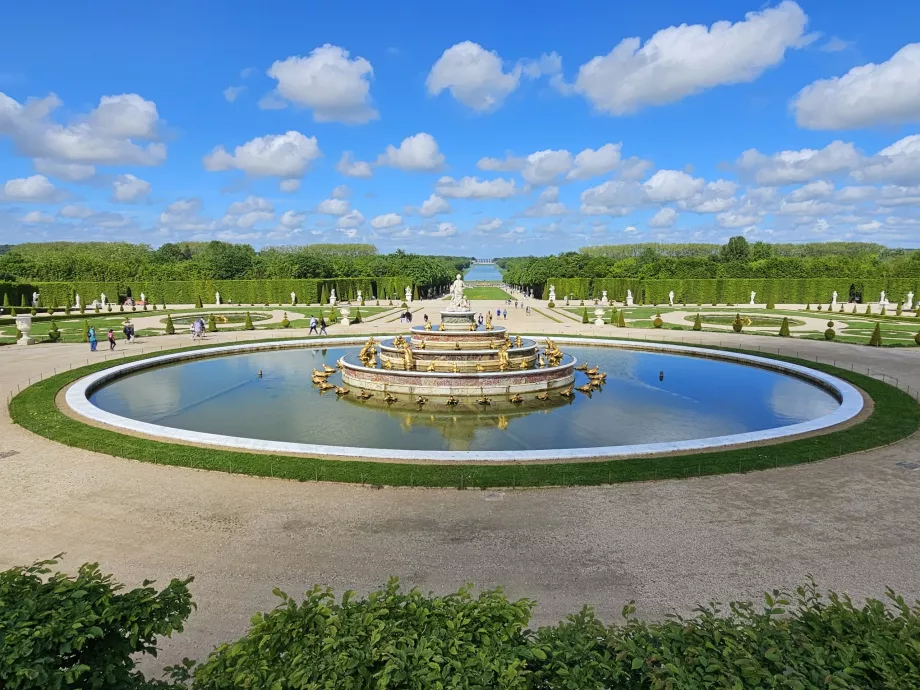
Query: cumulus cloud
[
  {"x": 33, "y": 189},
  {"x": 291, "y": 185},
  {"x": 340, "y": 192},
  {"x": 418, "y": 153},
  {"x": 352, "y": 168},
  {"x": 231, "y": 93},
  {"x": 473, "y": 188},
  {"x": 387, "y": 220},
  {"x": 71, "y": 172},
  {"x": 121, "y": 130},
  {"x": 351, "y": 220},
  {"x": 433, "y": 206},
  {"x": 898, "y": 163},
  {"x": 664, "y": 218},
  {"x": 614, "y": 197},
  {"x": 292, "y": 220},
  {"x": 246, "y": 213},
  {"x": 547, "y": 205},
  {"x": 443, "y": 230},
  {"x": 672, "y": 185},
  {"x": 37, "y": 217},
  {"x": 473, "y": 75},
  {"x": 715, "y": 197},
  {"x": 75, "y": 211},
  {"x": 790, "y": 167},
  {"x": 274, "y": 155},
  {"x": 593, "y": 163},
  {"x": 182, "y": 215},
  {"x": 333, "y": 207},
  {"x": 130, "y": 189},
  {"x": 875, "y": 94},
  {"x": 329, "y": 82},
  {"x": 683, "y": 60}
]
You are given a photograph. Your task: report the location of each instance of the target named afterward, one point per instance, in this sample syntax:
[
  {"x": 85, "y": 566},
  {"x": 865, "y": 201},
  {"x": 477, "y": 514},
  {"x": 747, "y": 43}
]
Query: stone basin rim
[{"x": 850, "y": 399}]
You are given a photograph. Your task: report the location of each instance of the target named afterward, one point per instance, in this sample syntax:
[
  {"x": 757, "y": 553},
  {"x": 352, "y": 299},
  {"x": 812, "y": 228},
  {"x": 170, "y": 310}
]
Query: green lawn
[{"x": 485, "y": 293}]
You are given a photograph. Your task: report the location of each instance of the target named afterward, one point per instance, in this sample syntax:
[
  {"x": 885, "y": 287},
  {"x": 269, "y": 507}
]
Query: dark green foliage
[
  {"x": 784, "y": 328},
  {"x": 284, "y": 321},
  {"x": 59, "y": 631},
  {"x": 357, "y": 316},
  {"x": 917, "y": 338},
  {"x": 85, "y": 330},
  {"x": 415, "y": 292},
  {"x": 6, "y": 300},
  {"x": 22, "y": 300},
  {"x": 198, "y": 304},
  {"x": 121, "y": 307},
  {"x": 737, "y": 324},
  {"x": 584, "y": 315},
  {"x": 884, "y": 311},
  {"x": 658, "y": 322},
  {"x": 697, "y": 323},
  {"x": 212, "y": 324},
  {"x": 621, "y": 318},
  {"x": 247, "y": 326},
  {"x": 808, "y": 307},
  {"x": 170, "y": 328},
  {"x": 54, "y": 335},
  {"x": 868, "y": 309},
  {"x": 830, "y": 333},
  {"x": 770, "y": 304},
  {"x": 876, "y": 339}
]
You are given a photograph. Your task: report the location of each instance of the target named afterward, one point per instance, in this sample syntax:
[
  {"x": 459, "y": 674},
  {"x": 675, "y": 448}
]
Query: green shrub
[
  {"x": 917, "y": 338},
  {"x": 6, "y": 301},
  {"x": 876, "y": 339},
  {"x": 109, "y": 305},
  {"x": 900, "y": 309},
  {"x": 22, "y": 301},
  {"x": 770, "y": 304},
  {"x": 49, "y": 311},
  {"x": 84, "y": 630},
  {"x": 284, "y": 321},
  {"x": 830, "y": 334},
  {"x": 737, "y": 324},
  {"x": 820, "y": 307},
  {"x": 85, "y": 330},
  {"x": 96, "y": 308},
  {"x": 415, "y": 292},
  {"x": 54, "y": 335},
  {"x": 784, "y": 328},
  {"x": 854, "y": 308},
  {"x": 170, "y": 328},
  {"x": 697, "y": 323},
  {"x": 551, "y": 304},
  {"x": 82, "y": 308},
  {"x": 33, "y": 311},
  {"x": 212, "y": 324},
  {"x": 621, "y": 318},
  {"x": 67, "y": 309},
  {"x": 584, "y": 315},
  {"x": 12, "y": 311},
  {"x": 357, "y": 316},
  {"x": 808, "y": 307},
  {"x": 247, "y": 326},
  {"x": 868, "y": 309},
  {"x": 657, "y": 322},
  {"x": 121, "y": 307},
  {"x": 198, "y": 304},
  {"x": 884, "y": 311}
]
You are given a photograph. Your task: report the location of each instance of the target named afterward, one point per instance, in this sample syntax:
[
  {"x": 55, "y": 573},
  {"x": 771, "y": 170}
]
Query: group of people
[
  {"x": 405, "y": 317},
  {"x": 197, "y": 329},
  {"x": 317, "y": 326},
  {"x": 499, "y": 314},
  {"x": 94, "y": 340}
]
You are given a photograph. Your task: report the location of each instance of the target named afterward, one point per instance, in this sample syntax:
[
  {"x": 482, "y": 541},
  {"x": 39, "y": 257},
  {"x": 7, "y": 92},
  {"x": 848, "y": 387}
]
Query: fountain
[{"x": 458, "y": 359}]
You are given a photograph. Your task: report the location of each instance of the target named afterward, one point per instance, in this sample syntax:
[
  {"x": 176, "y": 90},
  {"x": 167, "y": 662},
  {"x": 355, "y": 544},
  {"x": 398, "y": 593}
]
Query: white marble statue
[
  {"x": 566, "y": 300},
  {"x": 143, "y": 298},
  {"x": 102, "y": 299},
  {"x": 34, "y": 299},
  {"x": 408, "y": 294},
  {"x": 604, "y": 299},
  {"x": 883, "y": 300},
  {"x": 834, "y": 300},
  {"x": 629, "y": 298},
  {"x": 458, "y": 301},
  {"x": 332, "y": 298},
  {"x": 293, "y": 298},
  {"x": 360, "y": 298},
  {"x": 77, "y": 300},
  {"x": 909, "y": 303},
  {"x": 216, "y": 298},
  {"x": 671, "y": 298},
  {"x": 552, "y": 293},
  {"x": 753, "y": 296}
]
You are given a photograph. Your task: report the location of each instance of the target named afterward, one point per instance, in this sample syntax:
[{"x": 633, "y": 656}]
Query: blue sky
[{"x": 478, "y": 128}]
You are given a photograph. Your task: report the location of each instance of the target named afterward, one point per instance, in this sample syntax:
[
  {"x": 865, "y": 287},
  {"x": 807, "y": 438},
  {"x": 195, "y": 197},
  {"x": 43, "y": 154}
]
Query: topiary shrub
[
  {"x": 697, "y": 323},
  {"x": 33, "y": 311},
  {"x": 170, "y": 328},
  {"x": 212, "y": 324},
  {"x": 830, "y": 333},
  {"x": 883, "y": 312},
  {"x": 584, "y": 315},
  {"x": 121, "y": 307},
  {"x": 12, "y": 311},
  {"x": 551, "y": 304},
  {"x": 82, "y": 308},
  {"x": 284, "y": 321},
  {"x": 621, "y": 318},
  {"x": 737, "y": 324},
  {"x": 357, "y": 317},
  {"x": 247, "y": 326},
  {"x": 49, "y": 311},
  {"x": 770, "y": 304},
  {"x": 820, "y": 307},
  {"x": 657, "y": 322},
  {"x": 900, "y": 309},
  {"x": 868, "y": 309},
  {"x": 876, "y": 339},
  {"x": 808, "y": 307},
  {"x": 154, "y": 307},
  {"x": 54, "y": 335},
  {"x": 784, "y": 328},
  {"x": 96, "y": 308},
  {"x": 917, "y": 338},
  {"x": 67, "y": 309},
  {"x": 110, "y": 306},
  {"x": 854, "y": 308},
  {"x": 85, "y": 330}
]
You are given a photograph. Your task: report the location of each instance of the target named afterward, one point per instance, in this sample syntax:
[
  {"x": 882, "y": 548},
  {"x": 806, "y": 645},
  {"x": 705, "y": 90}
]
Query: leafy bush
[
  {"x": 808, "y": 307},
  {"x": 551, "y": 304},
  {"x": 170, "y": 328},
  {"x": 85, "y": 330},
  {"x": 900, "y": 309},
  {"x": 357, "y": 317},
  {"x": 621, "y": 318},
  {"x": 784, "y": 328},
  {"x": 868, "y": 309},
  {"x": 876, "y": 339},
  {"x": 247, "y": 326},
  {"x": 697, "y": 323},
  {"x": 54, "y": 334},
  {"x": 770, "y": 304},
  {"x": 917, "y": 338},
  {"x": 884, "y": 311},
  {"x": 83, "y": 631}
]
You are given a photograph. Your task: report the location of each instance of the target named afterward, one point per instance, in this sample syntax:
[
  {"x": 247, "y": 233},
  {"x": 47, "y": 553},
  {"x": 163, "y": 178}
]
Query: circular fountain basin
[{"x": 658, "y": 398}]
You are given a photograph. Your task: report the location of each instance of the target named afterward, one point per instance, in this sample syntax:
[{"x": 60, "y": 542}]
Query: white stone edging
[{"x": 851, "y": 404}]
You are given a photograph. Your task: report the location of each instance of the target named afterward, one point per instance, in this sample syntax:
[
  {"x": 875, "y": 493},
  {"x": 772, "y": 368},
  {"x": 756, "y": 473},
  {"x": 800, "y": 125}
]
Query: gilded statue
[
  {"x": 518, "y": 342},
  {"x": 428, "y": 325},
  {"x": 504, "y": 362},
  {"x": 441, "y": 326},
  {"x": 489, "y": 321},
  {"x": 408, "y": 357}
]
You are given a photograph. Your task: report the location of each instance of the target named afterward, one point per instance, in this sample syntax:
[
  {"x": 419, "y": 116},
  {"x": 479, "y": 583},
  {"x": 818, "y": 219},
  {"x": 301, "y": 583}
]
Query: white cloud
[
  {"x": 731, "y": 219},
  {"x": 664, "y": 218},
  {"x": 835, "y": 45},
  {"x": 291, "y": 185},
  {"x": 473, "y": 75},
  {"x": 36, "y": 189},
  {"x": 433, "y": 205},
  {"x": 418, "y": 153},
  {"x": 444, "y": 230},
  {"x": 487, "y": 226},
  {"x": 350, "y": 168},
  {"x": 37, "y": 217},
  {"x": 634, "y": 168},
  {"x": 231, "y": 93},
  {"x": 790, "y": 167},
  {"x": 387, "y": 220},
  {"x": 71, "y": 172},
  {"x": 592, "y": 163},
  {"x": 333, "y": 85},
  {"x": 246, "y": 213},
  {"x": 340, "y": 192},
  {"x": 274, "y": 155},
  {"x": 547, "y": 205},
  {"x": 543, "y": 167},
  {"x": 106, "y": 135},
  {"x": 672, "y": 185},
  {"x": 129, "y": 189},
  {"x": 507, "y": 164},
  {"x": 292, "y": 220},
  {"x": 683, "y": 60},
  {"x": 813, "y": 190},
  {"x": 614, "y": 197},
  {"x": 473, "y": 188},
  {"x": 333, "y": 207},
  {"x": 182, "y": 216},
  {"x": 898, "y": 163},
  {"x": 715, "y": 197},
  {"x": 75, "y": 211},
  {"x": 351, "y": 220},
  {"x": 882, "y": 94}
]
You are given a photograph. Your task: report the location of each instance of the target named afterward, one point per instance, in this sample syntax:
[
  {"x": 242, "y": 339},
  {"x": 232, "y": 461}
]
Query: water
[
  {"x": 483, "y": 272},
  {"x": 698, "y": 398}
]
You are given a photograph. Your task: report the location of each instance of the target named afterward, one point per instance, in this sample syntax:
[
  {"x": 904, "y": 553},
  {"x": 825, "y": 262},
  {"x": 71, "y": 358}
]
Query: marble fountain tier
[{"x": 459, "y": 358}]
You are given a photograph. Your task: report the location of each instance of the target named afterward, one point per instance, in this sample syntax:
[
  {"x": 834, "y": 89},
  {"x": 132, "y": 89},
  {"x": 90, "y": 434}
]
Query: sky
[{"x": 476, "y": 128}]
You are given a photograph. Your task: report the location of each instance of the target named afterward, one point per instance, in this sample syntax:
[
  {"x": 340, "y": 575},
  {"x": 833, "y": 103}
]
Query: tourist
[
  {"x": 92, "y": 338},
  {"x": 111, "y": 337},
  {"x": 505, "y": 314},
  {"x": 313, "y": 324},
  {"x": 408, "y": 316},
  {"x": 425, "y": 317},
  {"x": 127, "y": 331},
  {"x": 322, "y": 326},
  {"x": 130, "y": 332},
  {"x": 528, "y": 311}
]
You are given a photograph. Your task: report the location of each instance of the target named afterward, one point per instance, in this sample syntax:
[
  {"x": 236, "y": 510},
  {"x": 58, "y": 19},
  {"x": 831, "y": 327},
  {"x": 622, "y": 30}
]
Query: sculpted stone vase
[
  {"x": 345, "y": 311},
  {"x": 24, "y": 326}
]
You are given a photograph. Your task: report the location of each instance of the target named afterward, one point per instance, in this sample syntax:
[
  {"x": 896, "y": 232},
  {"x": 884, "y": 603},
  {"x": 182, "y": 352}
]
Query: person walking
[
  {"x": 127, "y": 331},
  {"x": 130, "y": 332},
  {"x": 92, "y": 338},
  {"x": 111, "y": 337},
  {"x": 505, "y": 314},
  {"x": 313, "y": 324},
  {"x": 322, "y": 326}
]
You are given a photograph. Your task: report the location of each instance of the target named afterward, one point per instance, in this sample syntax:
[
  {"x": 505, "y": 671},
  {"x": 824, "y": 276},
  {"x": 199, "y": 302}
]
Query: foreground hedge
[{"x": 405, "y": 639}]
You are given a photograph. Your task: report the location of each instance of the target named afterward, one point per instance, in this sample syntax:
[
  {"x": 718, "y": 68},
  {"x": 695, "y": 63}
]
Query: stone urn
[
  {"x": 599, "y": 317},
  {"x": 24, "y": 326},
  {"x": 344, "y": 312}
]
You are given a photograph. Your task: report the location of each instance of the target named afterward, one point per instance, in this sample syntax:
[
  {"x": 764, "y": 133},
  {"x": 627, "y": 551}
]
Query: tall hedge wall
[
  {"x": 307, "y": 291},
  {"x": 734, "y": 290}
]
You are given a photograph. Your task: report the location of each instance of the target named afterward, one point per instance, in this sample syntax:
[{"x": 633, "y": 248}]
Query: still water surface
[
  {"x": 483, "y": 272},
  {"x": 698, "y": 398}
]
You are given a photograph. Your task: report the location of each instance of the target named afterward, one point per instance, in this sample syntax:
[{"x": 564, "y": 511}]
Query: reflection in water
[
  {"x": 698, "y": 398},
  {"x": 483, "y": 272}
]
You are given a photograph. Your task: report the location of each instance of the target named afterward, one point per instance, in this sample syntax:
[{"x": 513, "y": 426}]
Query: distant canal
[{"x": 483, "y": 272}]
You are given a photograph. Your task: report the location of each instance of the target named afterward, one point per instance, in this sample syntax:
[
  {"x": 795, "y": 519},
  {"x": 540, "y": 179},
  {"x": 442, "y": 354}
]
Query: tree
[
  {"x": 736, "y": 251},
  {"x": 198, "y": 304},
  {"x": 621, "y": 318},
  {"x": 247, "y": 326},
  {"x": 22, "y": 300},
  {"x": 784, "y": 328},
  {"x": 212, "y": 324},
  {"x": 584, "y": 315},
  {"x": 82, "y": 631},
  {"x": 876, "y": 339},
  {"x": 170, "y": 328}
]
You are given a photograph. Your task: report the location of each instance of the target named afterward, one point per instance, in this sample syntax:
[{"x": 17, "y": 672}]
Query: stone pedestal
[
  {"x": 604, "y": 299},
  {"x": 345, "y": 311},
  {"x": 599, "y": 316},
  {"x": 24, "y": 326},
  {"x": 458, "y": 320}
]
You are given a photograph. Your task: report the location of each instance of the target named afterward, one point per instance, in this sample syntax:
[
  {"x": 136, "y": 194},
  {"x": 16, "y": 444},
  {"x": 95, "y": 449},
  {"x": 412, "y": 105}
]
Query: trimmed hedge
[{"x": 732, "y": 290}]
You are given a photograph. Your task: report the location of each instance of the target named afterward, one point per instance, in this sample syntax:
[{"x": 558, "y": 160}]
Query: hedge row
[
  {"x": 307, "y": 291},
  {"x": 735, "y": 290}
]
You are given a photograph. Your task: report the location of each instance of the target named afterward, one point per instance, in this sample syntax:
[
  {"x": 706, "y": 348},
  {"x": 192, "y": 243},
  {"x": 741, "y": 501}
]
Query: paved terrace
[{"x": 853, "y": 522}]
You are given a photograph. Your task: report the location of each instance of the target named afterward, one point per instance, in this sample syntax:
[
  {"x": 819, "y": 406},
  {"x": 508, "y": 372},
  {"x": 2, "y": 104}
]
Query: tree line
[{"x": 738, "y": 258}]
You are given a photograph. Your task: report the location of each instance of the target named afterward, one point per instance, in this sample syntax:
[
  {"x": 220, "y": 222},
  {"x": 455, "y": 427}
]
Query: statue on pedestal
[
  {"x": 883, "y": 300},
  {"x": 458, "y": 302},
  {"x": 332, "y": 298},
  {"x": 102, "y": 299},
  {"x": 753, "y": 295},
  {"x": 408, "y": 294},
  {"x": 629, "y": 298},
  {"x": 34, "y": 299},
  {"x": 910, "y": 301},
  {"x": 293, "y": 299},
  {"x": 216, "y": 298},
  {"x": 671, "y": 298},
  {"x": 552, "y": 293}
]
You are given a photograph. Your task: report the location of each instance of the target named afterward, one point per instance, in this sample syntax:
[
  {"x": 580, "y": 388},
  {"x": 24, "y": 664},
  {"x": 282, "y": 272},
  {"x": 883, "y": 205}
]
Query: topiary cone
[
  {"x": 621, "y": 319},
  {"x": 170, "y": 328},
  {"x": 584, "y": 315},
  {"x": 876, "y": 339},
  {"x": 85, "y": 330},
  {"x": 198, "y": 302},
  {"x": 248, "y": 325},
  {"x": 658, "y": 323},
  {"x": 697, "y": 323},
  {"x": 212, "y": 324},
  {"x": 737, "y": 324},
  {"x": 784, "y": 328}
]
